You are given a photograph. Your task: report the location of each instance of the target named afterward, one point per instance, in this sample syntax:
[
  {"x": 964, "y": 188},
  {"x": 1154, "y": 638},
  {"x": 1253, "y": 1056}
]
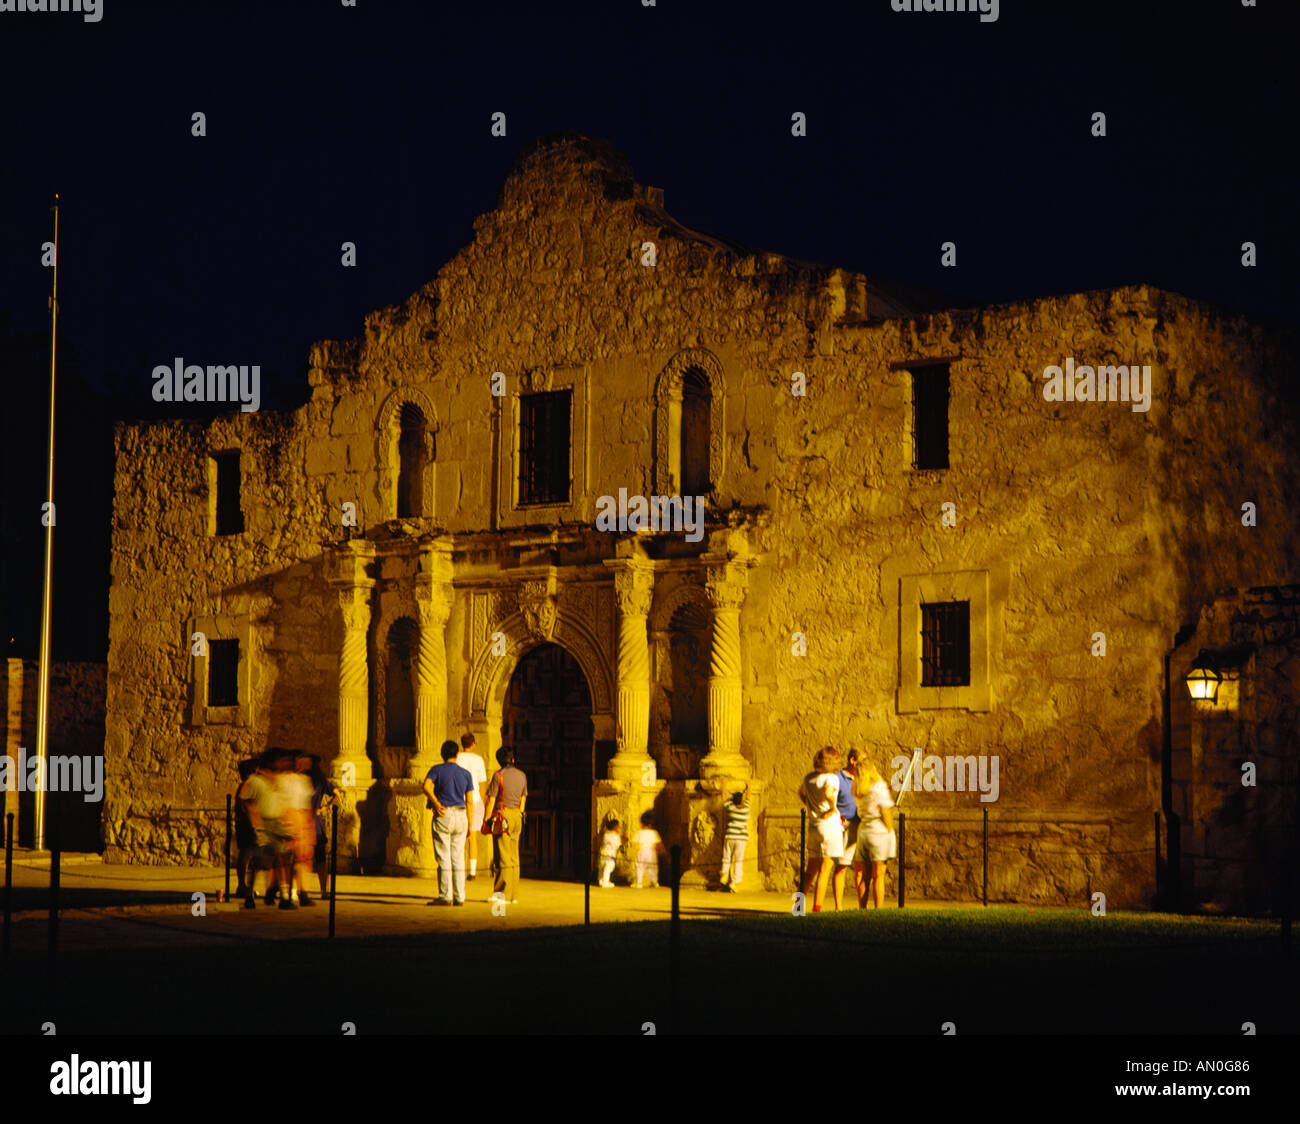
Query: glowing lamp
[{"x": 1203, "y": 682}]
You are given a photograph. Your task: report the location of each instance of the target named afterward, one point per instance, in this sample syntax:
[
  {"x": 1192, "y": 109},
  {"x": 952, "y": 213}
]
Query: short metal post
[
  {"x": 334, "y": 862},
  {"x": 803, "y": 846},
  {"x": 986, "y": 856},
  {"x": 675, "y": 939},
  {"x": 229, "y": 813},
  {"x": 54, "y": 835},
  {"x": 902, "y": 859},
  {"x": 9, "y": 875}
]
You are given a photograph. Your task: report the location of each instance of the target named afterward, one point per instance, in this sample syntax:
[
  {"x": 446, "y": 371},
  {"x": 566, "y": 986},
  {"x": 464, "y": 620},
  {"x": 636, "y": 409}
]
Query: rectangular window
[
  {"x": 544, "y": 447},
  {"x": 945, "y": 644},
  {"x": 229, "y": 515},
  {"x": 930, "y": 416},
  {"x": 223, "y": 673}
]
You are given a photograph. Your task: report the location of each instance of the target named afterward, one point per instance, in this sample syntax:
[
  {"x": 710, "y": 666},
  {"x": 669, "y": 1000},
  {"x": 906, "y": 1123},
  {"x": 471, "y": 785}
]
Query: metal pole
[
  {"x": 54, "y": 892},
  {"x": 229, "y": 804},
  {"x": 591, "y": 823},
  {"x": 803, "y": 847},
  {"x": 43, "y": 676},
  {"x": 334, "y": 862},
  {"x": 986, "y": 856},
  {"x": 675, "y": 939},
  {"x": 9, "y": 875},
  {"x": 902, "y": 859},
  {"x": 1160, "y": 886}
]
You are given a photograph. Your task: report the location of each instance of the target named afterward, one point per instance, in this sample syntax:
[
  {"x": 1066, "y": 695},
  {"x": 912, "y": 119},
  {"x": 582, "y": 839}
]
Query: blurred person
[{"x": 323, "y": 794}]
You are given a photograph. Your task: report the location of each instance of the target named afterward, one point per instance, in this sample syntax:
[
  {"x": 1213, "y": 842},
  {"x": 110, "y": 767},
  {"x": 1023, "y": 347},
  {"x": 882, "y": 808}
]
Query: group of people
[
  {"x": 279, "y": 828},
  {"x": 852, "y": 826},
  {"x": 465, "y": 803}
]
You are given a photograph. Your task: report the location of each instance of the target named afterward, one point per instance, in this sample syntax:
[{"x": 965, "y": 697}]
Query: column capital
[
  {"x": 634, "y": 587},
  {"x": 726, "y": 585},
  {"x": 345, "y": 565}
]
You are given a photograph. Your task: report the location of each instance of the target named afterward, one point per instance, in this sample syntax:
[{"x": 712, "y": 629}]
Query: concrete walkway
[{"x": 367, "y": 906}]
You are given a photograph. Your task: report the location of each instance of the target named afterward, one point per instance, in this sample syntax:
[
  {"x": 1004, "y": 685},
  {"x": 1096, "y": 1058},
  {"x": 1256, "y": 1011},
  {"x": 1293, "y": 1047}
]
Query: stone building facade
[{"x": 904, "y": 545}]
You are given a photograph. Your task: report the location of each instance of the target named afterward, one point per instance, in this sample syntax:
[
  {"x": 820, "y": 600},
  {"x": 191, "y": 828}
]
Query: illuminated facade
[{"x": 905, "y": 544}]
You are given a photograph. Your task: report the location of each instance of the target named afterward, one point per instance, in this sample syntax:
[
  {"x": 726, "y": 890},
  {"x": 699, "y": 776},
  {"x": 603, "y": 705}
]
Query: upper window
[
  {"x": 690, "y": 394},
  {"x": 694, "y": 452},
  {"x": 228, "y": 516},
  {"x": 544, "y": 447},
  {"x": 410, "y": 462},
  {"x": 930, "y": 416},
  {"x": 945, "y": 644}
]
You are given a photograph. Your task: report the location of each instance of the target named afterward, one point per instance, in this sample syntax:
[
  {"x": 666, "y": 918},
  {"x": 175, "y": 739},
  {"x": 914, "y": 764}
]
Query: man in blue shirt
[
  {"x": 450, "y": 790},
  {"x": 847, "y": 807}
]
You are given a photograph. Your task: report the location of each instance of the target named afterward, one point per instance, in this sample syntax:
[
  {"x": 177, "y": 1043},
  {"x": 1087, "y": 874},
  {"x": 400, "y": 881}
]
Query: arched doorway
[{"x": 547, "y": 720}]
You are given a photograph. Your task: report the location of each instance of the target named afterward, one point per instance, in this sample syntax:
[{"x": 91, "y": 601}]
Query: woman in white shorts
[
  {"x": 819, "y": 793},
  {"x": 877, "y": 843}
]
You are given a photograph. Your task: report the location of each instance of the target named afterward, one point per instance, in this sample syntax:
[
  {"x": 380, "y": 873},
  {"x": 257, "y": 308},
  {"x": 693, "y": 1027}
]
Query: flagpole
[{"x": 43, "y": 684}]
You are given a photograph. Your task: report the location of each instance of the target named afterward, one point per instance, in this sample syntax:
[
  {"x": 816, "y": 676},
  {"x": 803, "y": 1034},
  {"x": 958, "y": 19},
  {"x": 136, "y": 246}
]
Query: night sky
[{"x": 371, "y": 124}]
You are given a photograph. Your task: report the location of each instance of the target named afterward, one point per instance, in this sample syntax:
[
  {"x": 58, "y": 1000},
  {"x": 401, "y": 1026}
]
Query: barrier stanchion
[
  {"x": 675, "y": 939},
  {"x": 229, "y": 814},
  {"x": 986, "y": 856},
  {"x": 55, "y": 854},
  {"x": 9, "y": 875},
  {"x": 803, "y": 847},
  {"x": 334, "y": 862},
  {"x": 902, "y": 859}
]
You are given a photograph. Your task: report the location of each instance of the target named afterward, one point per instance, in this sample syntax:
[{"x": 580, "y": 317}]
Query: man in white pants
[
  {"x": 470, "y": 760},
  {"x": 450, "y": 790}
]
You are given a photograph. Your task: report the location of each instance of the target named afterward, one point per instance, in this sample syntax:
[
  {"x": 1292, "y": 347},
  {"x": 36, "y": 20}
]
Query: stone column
[
  {"x": 633, "y": 588},
  {"x": 352, "y": 766},
  {"x": 725, "y": 589},
  {"x": 433, "y": 598}
]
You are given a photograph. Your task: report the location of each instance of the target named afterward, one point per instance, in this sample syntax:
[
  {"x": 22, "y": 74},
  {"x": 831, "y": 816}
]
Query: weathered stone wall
[
  {"x": 1235, "y": 774},
  {"x": 1089, "y": 517},
  {"x": 1111, "y": 520}
]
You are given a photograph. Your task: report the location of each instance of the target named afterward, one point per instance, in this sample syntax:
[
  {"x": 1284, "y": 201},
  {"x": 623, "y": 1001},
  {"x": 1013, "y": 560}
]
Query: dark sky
[{"x": 371, "y": 124}]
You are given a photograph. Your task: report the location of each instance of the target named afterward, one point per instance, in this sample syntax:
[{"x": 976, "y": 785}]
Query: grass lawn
[{"x": 1002, "y": 970}]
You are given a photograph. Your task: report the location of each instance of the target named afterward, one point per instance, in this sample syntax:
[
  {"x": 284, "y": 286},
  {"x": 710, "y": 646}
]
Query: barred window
[
  {"x": 945, "y": 644},
  {"x": 930, "y": 416},
  {"x": 223, "y": 673},
  {"x": 544, "y": 447}
]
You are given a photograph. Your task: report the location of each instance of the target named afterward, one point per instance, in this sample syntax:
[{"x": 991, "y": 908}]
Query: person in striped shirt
[{"x": 733, "y": 842}]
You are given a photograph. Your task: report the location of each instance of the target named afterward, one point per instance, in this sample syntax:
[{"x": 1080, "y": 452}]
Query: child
[
  {"x": 733, "y": 842},
  {"x": 609, "y": 845},
  {"x": 649, "y": 848}
]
